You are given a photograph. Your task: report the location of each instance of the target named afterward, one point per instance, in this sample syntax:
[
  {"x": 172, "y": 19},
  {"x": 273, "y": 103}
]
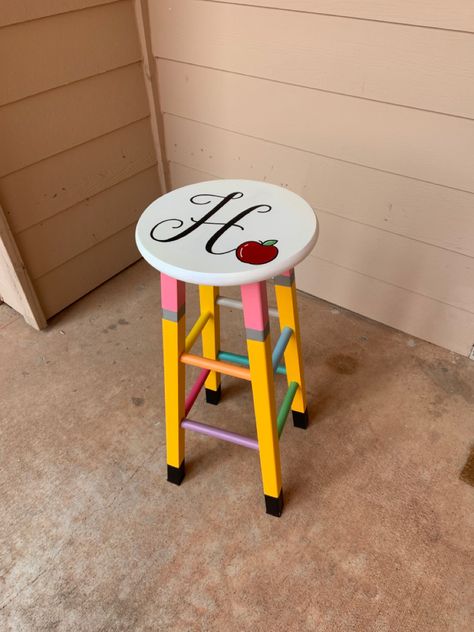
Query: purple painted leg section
[
  {"x": 194, "y": 392},
  {"x": 232, "y": 437}
]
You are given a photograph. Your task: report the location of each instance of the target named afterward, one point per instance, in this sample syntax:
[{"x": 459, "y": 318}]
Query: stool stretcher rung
[
  {"x": 243, "y": 360},
  {"x": 280, "y": 346},
  {"x": 196, "y": 389},
  {"x": 285, "y": 406},
  {"x": 219, "y": 433},
  {"x": 216, "y": 365},
  {"x": 196, "y": 330},
  {"x": 232, "y": 302}
]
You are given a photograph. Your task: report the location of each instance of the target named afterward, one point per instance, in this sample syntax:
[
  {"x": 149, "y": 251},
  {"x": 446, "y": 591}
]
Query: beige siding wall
[
  {"x": 366, "y": 109},
  {"x": 77, "y": 161}
]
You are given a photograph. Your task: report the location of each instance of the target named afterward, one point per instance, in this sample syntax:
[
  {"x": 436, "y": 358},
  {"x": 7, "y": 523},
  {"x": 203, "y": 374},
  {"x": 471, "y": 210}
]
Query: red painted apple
[{"x": 257, "y": 252}]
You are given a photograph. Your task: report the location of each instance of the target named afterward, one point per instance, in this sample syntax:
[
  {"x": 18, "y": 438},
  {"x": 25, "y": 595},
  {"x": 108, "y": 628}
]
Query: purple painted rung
[
  {"x": 194, "y": 392},
  {"x": 218, "y": 433}
]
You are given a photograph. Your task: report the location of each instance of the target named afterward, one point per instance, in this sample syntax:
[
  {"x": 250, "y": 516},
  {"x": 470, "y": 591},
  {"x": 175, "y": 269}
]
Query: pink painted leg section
[
  {"x": 173, "y": 293},
  {"x": 254, "y": 299}
]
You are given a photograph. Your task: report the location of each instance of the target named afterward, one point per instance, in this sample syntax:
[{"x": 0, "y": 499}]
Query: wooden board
[
  {"x": 39, "y": 191},
  {"x": 43, "y": 125},
  {"x": 424, "y": 68},
  {"x": 43, "y": 54},
  {"x": 16, "y": 288},
  {"x": 423, "y": 145},
  {"x": 455, "y": 14},
  {"x": 78, "y": 276},
  {"x": 399, "y": 307},
  {"x": 53, "y": 242},
  {"x": 13, "y": 11},
  {"x": 439, "y": 274},
  {"x": 430, "y": 213},
  {"x": 421, "y": 268},
  {"x": 142, "y": 20},
  {"x": 182, "y": 175},
  {"x": 77, "y": 164}
]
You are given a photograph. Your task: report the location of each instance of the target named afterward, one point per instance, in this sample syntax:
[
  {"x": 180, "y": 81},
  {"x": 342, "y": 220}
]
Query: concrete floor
[{"x": 377, "y": 533}]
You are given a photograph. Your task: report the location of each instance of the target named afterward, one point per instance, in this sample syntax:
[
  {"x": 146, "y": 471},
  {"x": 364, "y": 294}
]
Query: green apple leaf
[{"x": 270, "y": 242}]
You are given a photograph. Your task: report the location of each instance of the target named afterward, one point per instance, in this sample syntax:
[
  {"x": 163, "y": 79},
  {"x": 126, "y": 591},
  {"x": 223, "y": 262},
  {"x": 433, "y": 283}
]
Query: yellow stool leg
[
  {"x": 254, "y": 300},
  {"x": 211, "y": 335},
  {"x": 288, "y": 314},
  {"x": 174, "y": 334}
]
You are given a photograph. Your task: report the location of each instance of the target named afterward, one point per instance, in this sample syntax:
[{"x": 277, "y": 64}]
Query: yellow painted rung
[
  {"x": 196, "y": 330},
  {"x": 216, "y": 365}
]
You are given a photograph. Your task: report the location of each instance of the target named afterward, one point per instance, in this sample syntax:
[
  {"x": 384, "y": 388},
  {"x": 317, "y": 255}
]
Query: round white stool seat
[{"x": 226, "y": 232}]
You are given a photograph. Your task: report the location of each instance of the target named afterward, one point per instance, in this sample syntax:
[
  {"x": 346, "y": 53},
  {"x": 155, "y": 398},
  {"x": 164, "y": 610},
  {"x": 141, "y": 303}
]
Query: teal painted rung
[
  {"x": 236, "y": 358},
  {"x": 285, "y": 406}
]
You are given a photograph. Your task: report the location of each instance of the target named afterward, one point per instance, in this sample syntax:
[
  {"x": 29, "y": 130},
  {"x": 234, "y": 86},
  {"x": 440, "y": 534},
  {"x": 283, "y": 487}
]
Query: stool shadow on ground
[
  {"x": 203, "y": 460},
  {"x": 339, "y": 438}
]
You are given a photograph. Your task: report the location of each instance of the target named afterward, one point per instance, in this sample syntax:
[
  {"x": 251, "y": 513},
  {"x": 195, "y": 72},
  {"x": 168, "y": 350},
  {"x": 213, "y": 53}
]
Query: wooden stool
[{"x": 216, "y": 234}]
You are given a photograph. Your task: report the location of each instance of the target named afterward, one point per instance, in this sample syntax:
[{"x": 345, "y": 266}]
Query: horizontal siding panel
[
  {"x": 417, "y": 315},
  {"x": 43, "y": 54},
  {"x": 39, "y": 191},
  {"x": 180, "y": 175},
  {"x": 13, "y": 11},
  {"x": 424, "y": 68},
  {"x": 78, "y": 276},
  {"x": 439, "y": 274},
  {"x": 427, "y": 146},
  {"x": 398, "y": 307},
  {"x": 51, "y": 243},
  {"x": 51, "y": 122},
  {"x": 437, "y": 215},
  {"x": 455, "y": 14}
]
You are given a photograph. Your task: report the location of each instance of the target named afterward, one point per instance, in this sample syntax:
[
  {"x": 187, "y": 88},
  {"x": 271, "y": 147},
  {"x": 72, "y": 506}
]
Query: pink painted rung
[{"x": 194, "y": 392}]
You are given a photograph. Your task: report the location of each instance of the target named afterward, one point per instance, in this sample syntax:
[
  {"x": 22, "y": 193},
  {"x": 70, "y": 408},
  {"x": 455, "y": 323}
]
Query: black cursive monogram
[{"x": 204, "y": 220}]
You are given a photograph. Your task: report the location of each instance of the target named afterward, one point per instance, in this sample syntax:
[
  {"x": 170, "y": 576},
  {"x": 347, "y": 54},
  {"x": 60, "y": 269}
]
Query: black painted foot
[
  {"x": 176, "y": 474},
  {"x": 300, "y": 420},
  {"x": 213, "y": 397},
  {"x": 274, "y": 506}
]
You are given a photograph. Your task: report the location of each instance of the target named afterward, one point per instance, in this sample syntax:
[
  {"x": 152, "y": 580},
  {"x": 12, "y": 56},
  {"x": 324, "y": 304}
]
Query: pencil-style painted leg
[
  {"x": 174, "y": 333},
  {"x": 254, "y": 300},
  {"x": 288, "y": 314},
  {"x": 211, "y": 339}
]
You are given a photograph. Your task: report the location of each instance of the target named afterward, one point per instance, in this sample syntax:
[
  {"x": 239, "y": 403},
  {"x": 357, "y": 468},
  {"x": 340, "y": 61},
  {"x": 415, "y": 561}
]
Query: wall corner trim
[{"x": 18, "y": 289}]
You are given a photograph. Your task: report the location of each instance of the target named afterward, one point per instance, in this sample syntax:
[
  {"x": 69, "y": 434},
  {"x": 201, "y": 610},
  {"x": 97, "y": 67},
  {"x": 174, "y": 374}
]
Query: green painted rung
[
  {"x": 243, "y": 360},
  {"x": 285, "y": 406}
]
